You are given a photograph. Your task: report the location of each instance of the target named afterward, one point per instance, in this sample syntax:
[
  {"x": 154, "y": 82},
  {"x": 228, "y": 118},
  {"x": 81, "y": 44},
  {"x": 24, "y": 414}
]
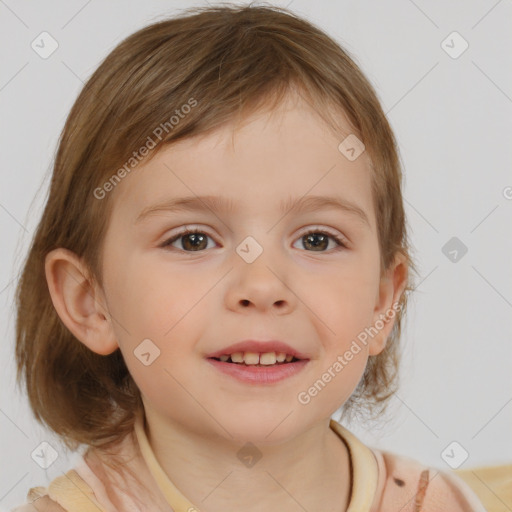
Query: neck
[{"x": 310, "y": 471}]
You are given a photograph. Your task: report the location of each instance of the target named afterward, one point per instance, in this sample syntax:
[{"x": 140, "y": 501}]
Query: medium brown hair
[{"x": 229, "y": 60}]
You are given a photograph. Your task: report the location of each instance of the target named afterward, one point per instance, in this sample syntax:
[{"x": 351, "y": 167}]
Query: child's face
[{"x": 192, "y": 303}]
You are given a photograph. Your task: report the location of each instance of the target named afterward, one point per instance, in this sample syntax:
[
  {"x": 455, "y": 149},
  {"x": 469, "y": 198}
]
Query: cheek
[
  {"x": 149, "y": 299},
  {"x": 166, "y": 308},
  {"x": 345, "y": 302},
  {"x": 334, "y": 381},
  {"x": 348, "y": 302}
]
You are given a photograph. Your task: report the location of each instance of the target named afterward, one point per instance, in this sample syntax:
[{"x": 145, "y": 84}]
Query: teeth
[
  {"x": 237, "y": 357},
  {"x": 251, "y": 358},
  {"x": 268, "y": 358},
  {"x": 254, "y": 358},
  {"x": 280, "y": 357}
]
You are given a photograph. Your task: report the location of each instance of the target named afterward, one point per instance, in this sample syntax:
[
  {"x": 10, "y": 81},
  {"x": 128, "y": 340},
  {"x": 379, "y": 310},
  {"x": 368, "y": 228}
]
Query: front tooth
[
  {"x": 289, "y": 358},
  {"x": 268, "y": 358},
  {"x": 251, "y": 358},
  {"x": 237, "y": 357},
  {"x": 280, "y": 357}
]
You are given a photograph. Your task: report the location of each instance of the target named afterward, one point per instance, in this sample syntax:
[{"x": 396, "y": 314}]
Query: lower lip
[{"x": 259, "y": 374}]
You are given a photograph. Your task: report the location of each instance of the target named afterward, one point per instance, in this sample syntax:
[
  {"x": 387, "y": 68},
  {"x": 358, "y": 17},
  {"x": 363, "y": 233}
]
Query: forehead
[{"x": 264, "y": 161}]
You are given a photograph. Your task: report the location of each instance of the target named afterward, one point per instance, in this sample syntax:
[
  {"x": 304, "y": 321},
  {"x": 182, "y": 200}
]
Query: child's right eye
[{"x": 193, "y": 240}]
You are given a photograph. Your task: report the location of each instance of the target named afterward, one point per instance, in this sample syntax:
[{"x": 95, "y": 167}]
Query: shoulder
[
  {"x": 39, "y": 501},
  {"x": 412, "y": 486},
  {"x": 65, "y": 493},
  {"x": 492, "y": 483}
]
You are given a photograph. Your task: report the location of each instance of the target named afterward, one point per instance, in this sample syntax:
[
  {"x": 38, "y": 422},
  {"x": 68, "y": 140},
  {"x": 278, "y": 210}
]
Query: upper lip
[{"x": 259, "y": 347}]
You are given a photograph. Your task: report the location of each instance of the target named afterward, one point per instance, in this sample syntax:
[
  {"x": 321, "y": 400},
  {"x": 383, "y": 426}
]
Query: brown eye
[
  {"x": 191, "y": 241},
  {"x": 318, "y": 241}
]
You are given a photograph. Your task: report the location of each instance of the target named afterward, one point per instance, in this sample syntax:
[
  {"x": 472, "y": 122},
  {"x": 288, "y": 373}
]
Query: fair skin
[{"x": 191, "y": 303}]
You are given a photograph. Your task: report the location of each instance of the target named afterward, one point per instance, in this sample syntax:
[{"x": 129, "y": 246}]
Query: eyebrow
[{"x": 227, "y": 206}]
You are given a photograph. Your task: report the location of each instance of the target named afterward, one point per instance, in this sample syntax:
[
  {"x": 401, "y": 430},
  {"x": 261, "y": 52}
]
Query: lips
[{"x": 259, "y": 347}]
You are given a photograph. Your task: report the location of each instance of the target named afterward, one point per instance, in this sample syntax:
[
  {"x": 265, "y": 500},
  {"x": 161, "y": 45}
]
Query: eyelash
[{"x": 339, "y": 240}]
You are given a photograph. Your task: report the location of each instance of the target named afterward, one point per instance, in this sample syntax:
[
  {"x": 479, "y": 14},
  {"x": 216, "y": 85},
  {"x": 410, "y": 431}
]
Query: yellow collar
[{"x": 365, "y": 471}]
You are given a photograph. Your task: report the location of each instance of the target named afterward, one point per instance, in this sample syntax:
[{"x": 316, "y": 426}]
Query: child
[{"x": 222, "y": 264}]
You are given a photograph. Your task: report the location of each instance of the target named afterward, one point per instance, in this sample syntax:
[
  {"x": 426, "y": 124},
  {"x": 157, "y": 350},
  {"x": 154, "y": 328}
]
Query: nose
[{"x": 261, "y": 285}]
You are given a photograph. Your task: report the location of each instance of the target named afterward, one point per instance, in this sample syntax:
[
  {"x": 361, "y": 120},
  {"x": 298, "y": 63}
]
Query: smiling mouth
[
  {"x": 256, "y": 360},
  {"x": 258, "y": 368}
]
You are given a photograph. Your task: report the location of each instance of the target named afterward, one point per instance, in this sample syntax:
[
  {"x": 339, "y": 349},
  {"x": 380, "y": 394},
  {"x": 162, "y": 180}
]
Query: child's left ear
[{"x": 391, "y": 287}]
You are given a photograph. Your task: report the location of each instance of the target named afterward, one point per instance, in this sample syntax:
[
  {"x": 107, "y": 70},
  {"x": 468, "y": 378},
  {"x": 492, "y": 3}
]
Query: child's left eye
[
  {"x": 318, "y": 238},
  {"x": 194, "y": 240}
]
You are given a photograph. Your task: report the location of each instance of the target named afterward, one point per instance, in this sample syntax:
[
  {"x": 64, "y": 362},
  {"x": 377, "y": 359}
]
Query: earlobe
[
  {"x": 391, "y": 288},
  {"x": 79, "y": 302}
]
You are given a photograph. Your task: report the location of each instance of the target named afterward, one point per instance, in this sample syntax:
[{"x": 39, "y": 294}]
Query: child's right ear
[{"x": 79, "y": 301}]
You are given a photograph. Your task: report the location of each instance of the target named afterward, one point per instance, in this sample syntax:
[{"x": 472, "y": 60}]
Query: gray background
[{"x": 452, "y": 119}]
